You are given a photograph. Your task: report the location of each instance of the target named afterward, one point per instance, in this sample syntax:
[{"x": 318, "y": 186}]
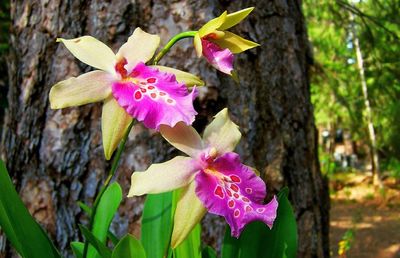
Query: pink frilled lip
[
  {"x": 231, "y": 189},
  {"x": 220, "y": 59},
  {"x": 154, "y": 97}
]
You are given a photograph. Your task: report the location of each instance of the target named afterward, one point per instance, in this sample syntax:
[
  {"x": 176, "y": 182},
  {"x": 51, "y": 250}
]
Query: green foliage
[
  {"x": 336, "y": 87},
  {"x": 100, "y": 247},
  {"x": 157, "y": 224},
  {"x": 259, "y": 241},
  {"x": 191, "y": 247},
  {"x": 129, "y": 247},
  {"x": 25, "y": 234},
  {"x": 208, "y": 252}
]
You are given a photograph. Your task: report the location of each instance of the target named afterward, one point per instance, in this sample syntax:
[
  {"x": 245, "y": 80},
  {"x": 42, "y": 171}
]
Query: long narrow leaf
[
  {"x": 191, "y": 247},
  {"x": 21, "y": 229},
  {"x": 106, "y": 210},
  {"x": 129, "y": 247},
  {"x": 157, "y": 224},
  {"x": 258, "y": 241},
  {"x": 101, "y": 248},
  {"x": 77, "y": 249}
]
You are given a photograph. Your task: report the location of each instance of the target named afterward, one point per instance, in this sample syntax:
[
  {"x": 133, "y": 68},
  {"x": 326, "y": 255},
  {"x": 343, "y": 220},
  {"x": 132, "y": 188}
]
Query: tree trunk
[{"x": 56, "y": 156}]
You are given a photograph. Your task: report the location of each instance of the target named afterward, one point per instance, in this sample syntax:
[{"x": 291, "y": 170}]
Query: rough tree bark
[{"x": 56, "y": 157}]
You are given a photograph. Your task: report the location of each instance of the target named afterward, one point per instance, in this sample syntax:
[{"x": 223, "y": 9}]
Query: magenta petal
[
  {"x": 221, "y": 59},
  {"x": 230, "y": 189},
  {"x": 155, "y": 97}
]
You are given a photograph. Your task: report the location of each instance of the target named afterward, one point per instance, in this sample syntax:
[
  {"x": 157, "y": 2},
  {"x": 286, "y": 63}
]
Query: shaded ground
[{"x": 366, "y": 222}]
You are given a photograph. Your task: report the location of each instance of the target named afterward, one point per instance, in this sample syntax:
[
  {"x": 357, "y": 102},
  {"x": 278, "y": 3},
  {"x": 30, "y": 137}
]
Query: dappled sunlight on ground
[{"x": 373, "y": 218}]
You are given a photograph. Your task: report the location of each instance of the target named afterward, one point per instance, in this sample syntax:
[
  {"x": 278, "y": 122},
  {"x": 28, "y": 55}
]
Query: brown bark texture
[{"x": 56, "y": 156}]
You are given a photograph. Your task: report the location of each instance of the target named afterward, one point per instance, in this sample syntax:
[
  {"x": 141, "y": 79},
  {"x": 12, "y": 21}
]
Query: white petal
[
  {"x": 140, "y": 47},
  {"x": 86, "y": 88},
  {"x": 189, "y": 212},
  {"x": 163, "y": 177},
  {"x": 183, "y": 137},
  {"x": 114, "y": 123},
  {"x": 222, "y": 133},
  {"x": 92, "y": 52}
]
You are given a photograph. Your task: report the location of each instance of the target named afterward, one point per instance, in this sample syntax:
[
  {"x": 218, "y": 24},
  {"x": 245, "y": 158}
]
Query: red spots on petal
[
  {"x": 170, "y": 101},
  {"x": 249, "y": 190},
  {"x": 260, "y": 210},
  {"x": 228, "y": 192},
  {"x": 235, "y": 179},
  {"x": 245, "y": 199},
  {"x": 236, "y": 213},
  {"x": 162, "y": 93},
  {"x": 234, "y": 187},
  {"x": 137, "y": 95},
  {"x": 151, "y": 80},
  {"x": 134, "y": 74},
  {"x": 236, "y": 195},
  {"x": 231, "y": 203},
  {"x": 153, "y": 95},
  {"x": 248, "y": 209},
  {"x": 120, "y": 68},
  {"x": 218, "y": 192},
  {"x": 143, "y": 90},
  {"x": 151, "y": 87},
  {"x": 142, "y": 83}
]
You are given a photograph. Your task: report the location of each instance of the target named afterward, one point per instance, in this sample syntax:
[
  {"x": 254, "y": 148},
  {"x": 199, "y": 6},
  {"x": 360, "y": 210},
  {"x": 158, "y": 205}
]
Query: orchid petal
[
  {"x": 212, "y": 25},
  {"x": 164, "y": 177},
  {"x": 155, "y": 98},
  {"x": 232, "y": 190},
  {"x": 189, "y": 211},
  {"x": 235, "y": 43},
  {"x": 91, "y": 51},
  {"x": 220, "y": 59},
  {"x": 114, "y": 123},
  {"x": 197, "y": 45},
  {"x": 140, "y": 47},
  {"x": 182, "y": 77},
  {"x": 222, "y": 133},
  {"x": 183, "y": 137},
  {"x": 86, "y": 88},
  {"x": 234, "y": 18}
]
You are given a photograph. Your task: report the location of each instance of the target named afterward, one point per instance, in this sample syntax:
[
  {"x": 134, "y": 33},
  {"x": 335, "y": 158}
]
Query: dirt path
[{"x": 372, "y": 221}]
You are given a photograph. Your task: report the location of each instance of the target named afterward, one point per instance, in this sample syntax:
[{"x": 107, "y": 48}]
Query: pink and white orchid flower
[
  {"x": 154, "y": 95},
  {"x": 218, "y": 45},
  {"x": 213, "y": 178}
]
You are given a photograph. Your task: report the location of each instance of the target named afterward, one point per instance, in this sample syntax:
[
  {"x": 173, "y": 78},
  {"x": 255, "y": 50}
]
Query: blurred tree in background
[
  {"x": 56, "y": 156},
  {"x": 336, "y": 83}
]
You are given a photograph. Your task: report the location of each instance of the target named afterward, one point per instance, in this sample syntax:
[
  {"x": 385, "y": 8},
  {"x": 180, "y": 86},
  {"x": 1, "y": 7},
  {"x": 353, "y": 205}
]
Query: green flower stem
[
  {"x": 111, "y": 173},
  {"x": 121, "y": 146},
  {"x": 171, "y": 42}
]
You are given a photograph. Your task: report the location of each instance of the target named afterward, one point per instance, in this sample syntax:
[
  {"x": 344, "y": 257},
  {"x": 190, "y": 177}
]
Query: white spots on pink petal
[
  {"x": 249, "y": 190},
  {"x": 236, "y": 213},
  {"x": 260, "y": 210}
]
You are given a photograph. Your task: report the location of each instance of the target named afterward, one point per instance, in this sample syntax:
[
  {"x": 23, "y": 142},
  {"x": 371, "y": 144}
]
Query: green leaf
[
  {"x": 114, "y": 239},
  {"x": 96, "y": 243},
  {"x": 106, "y": 210},
  {"x": 208, "y": 252},
  {"x": 258, "y": 241},
  {"x": 77, "y": 249},
  {"x": 157, "y": 224},
  {"x": 191, "y": 247},
  {"x": 21, "y": 229},
  {"x": 129, "y": 247}
]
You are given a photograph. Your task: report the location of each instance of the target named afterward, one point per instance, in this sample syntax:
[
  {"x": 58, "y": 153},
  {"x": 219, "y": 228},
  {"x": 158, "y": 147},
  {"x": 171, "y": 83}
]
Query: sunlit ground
[{"x": 364, "y": 221}]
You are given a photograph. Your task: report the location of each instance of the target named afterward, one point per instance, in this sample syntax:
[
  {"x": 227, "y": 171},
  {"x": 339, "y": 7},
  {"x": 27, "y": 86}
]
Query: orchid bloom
[
  {"x": 212, "y": 178},
  {"x": 218, "y": 45},
  {"x": 154, "y": 95}
]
